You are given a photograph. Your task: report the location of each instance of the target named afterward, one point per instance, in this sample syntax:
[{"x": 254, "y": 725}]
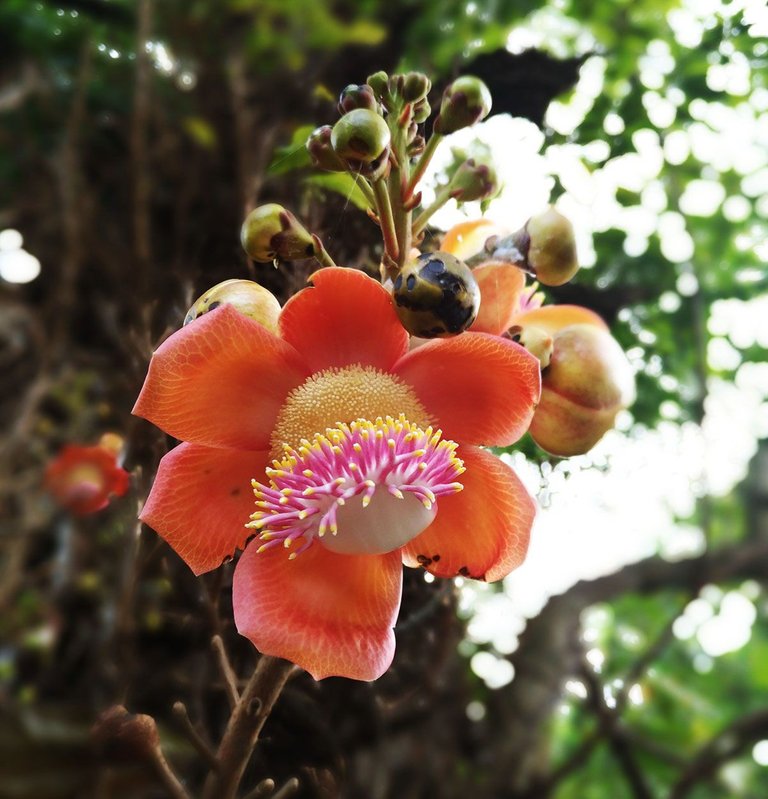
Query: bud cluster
[{"x": 380, "y": 139}]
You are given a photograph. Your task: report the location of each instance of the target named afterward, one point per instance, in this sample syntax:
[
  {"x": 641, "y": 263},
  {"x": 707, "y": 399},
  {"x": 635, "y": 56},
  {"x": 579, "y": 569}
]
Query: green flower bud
[
  {"x": 271, "y": 232},
  {"x": 473, "y": 181},
  {"x": 466, "y": 101},
  {"x": 379, "y": 82},
  {"x": 354, "y": 96},
  {"x": 548, "y": 246},
  {"x": 421, "y": 111},
  {"x": 248, "y": 297},
  {"x": 361, "y": 135},
  {"x": 321, "y": 150},
  {"x": 416, "y": 87}
]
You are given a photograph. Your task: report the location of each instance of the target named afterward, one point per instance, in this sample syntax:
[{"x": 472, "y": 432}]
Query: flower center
[
  {"x": 360, "y": 488},
  {"x": 335, "y": 396}
]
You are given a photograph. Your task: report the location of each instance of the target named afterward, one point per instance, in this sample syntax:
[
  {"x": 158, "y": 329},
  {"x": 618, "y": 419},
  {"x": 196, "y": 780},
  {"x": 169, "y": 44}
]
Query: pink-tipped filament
[{"x": 362, "y": 488}]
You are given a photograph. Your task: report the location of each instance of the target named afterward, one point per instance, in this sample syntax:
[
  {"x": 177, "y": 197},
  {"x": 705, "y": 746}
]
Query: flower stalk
[
  {"x": 421, "y": 165},
  {"x": 386, "y": 219}
]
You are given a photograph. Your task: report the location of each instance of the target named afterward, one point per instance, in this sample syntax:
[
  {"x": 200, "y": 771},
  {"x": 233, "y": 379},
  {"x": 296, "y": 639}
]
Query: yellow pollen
[{"x": 333, "y": 396}]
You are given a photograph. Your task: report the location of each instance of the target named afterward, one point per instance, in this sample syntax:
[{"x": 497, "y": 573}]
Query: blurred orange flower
[{"x": 82, "y": 479}]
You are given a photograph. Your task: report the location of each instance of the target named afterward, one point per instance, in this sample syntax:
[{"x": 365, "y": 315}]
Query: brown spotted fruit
[
  {"x": 436, "y": 296},
  {"x": 587, "y": 382}
]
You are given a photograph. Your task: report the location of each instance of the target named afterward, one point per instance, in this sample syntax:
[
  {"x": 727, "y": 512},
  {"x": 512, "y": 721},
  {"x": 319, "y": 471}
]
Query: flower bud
[
  {"x": 321, "y": 150},
  {"x": 466, "y": 101},
  {"x": 379, "y": 83},
  {"x": 473, "y": 181},
  {"x": 357, "y": 96},
  {"x": 271, "y": 232},
  {"x": 416, "y": 145},
  {"x": 124, "y": 736},
  {"x": 248, "y": 297},
  {"x": 361, "y": 135},
  {"x": 548, "y": 246},
  {"x": 536, "y": 340},
  {"x": 421, "y": 111},
  {"x": 436, "y": 296},
  {"x": 588, "y": 381},
  {"x": 416, "y": 86}
]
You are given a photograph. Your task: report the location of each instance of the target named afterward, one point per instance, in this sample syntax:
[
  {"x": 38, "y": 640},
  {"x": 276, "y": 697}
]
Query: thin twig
[
  {"x": 227, "y": 672},
  {"x": 727, "y": 744},
  {"x": 264, "y": 788},
  {"x": 167, "y": 775},
  {"x": 288, "y": 789},
  {"x": 197, "y": 740}
]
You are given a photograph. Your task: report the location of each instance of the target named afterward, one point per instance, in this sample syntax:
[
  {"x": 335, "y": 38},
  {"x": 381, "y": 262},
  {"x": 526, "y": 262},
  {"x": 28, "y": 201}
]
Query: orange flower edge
[{"x": 359, "y": 465}]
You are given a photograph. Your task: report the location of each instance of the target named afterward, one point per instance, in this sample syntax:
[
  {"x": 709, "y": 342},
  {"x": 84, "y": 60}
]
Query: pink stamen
[{"x": 308, "y": 486}]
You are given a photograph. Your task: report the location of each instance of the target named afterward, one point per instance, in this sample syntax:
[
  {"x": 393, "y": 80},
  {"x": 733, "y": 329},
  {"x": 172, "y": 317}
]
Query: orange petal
[
  {"x": 202, "y": 499},
  {"x": 481, "y": 532},
  {"x": 345, "y": 318},
  {"x": 500, "y": 285},
  {"x": 220, "y": 381},
  {"x": 330, "y": 614},
  {"x": 479, "y": 389},
  {"x": 552, "y": 318},
  {"x": 468, "y": 238}
]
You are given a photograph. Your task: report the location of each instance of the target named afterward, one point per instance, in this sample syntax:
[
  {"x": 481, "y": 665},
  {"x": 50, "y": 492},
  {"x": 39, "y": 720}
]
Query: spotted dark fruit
[
  {"x": 436, "y": 296},
  {"x": 248, "y": 297}
]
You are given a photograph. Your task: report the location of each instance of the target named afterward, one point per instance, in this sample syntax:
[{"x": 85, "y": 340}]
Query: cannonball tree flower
[
  {"x": 357, "y": 449},
  {"x": 83, "y": 479}
]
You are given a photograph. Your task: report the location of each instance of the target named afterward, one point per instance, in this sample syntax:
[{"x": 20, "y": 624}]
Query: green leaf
[
  {"x": 293, "y": 155},
  {"x": 341, "y": 183}
]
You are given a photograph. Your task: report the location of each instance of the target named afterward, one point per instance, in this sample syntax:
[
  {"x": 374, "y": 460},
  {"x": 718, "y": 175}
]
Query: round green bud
[
  {"x": 466, "y": 101},
  {"x": 354, "y": 96},
  {"x": 548, "y": 245},
  {"x": 321, "y": 150},
  {"x": 360, "y": 135},
  {"x": 436, "y": 296},
  {"x": 416, "y": 86},
  {"x": 248, "y": 297},
  {"x": 473, "y": 181},
  {"x": 271, "y": 232}
]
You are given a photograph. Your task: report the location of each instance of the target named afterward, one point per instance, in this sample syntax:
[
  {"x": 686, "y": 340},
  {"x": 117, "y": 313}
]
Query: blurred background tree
[{"x": 629, "y": 656}]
